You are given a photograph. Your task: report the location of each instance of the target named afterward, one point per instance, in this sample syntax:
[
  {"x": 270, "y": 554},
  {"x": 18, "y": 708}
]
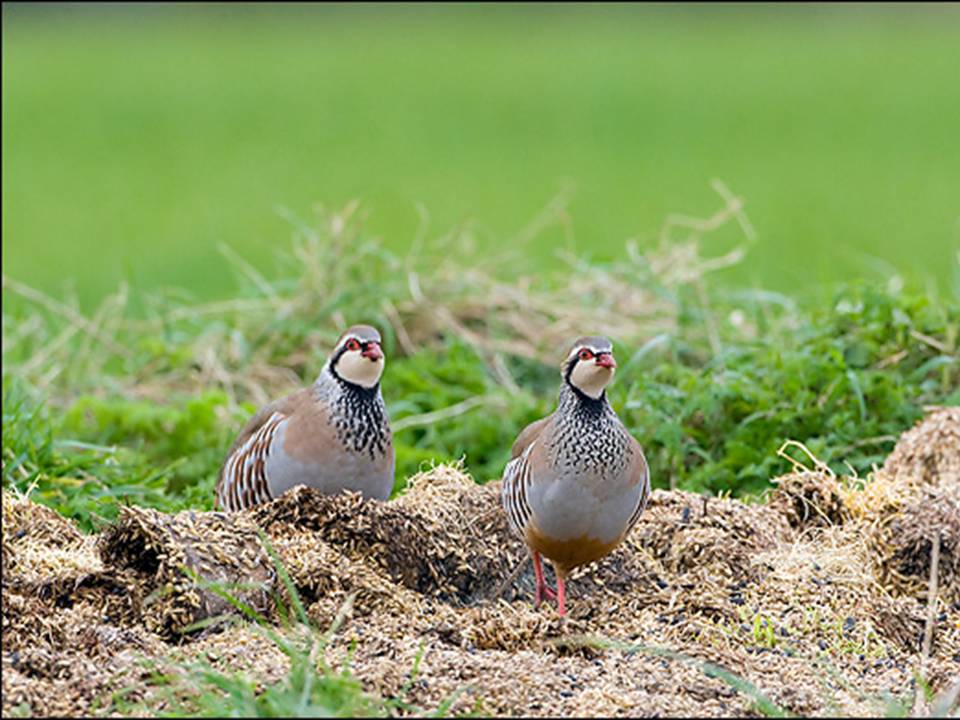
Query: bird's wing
[
  {"x": 638, "y": 472},
  {"x": 242, "y": 481},
  {"x": 518, "y": 474},
  {"x": 528, "y": 435},
  {"x": 513, "y": 492}
]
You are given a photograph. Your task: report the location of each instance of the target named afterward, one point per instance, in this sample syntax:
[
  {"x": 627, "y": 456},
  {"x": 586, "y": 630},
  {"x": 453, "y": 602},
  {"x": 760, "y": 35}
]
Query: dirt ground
[{"x": 818, "y": 598}]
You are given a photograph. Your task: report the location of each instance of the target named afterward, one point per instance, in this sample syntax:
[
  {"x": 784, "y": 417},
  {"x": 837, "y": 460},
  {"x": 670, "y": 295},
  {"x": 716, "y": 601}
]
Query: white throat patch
[
  {"x": 359, "y": 370},
  {"x": 589, "y": 378}
]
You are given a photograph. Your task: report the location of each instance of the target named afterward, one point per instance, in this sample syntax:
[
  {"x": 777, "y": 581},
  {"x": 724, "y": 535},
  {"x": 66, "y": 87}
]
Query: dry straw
[
  {"x": 709, "y": 607},
  {"x": 338, "y": 273}
]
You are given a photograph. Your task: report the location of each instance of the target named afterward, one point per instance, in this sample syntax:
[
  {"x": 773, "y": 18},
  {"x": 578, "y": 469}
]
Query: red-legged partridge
[
  {"x": 333, "y": 436},
  {"x": 577, "y": 481}
]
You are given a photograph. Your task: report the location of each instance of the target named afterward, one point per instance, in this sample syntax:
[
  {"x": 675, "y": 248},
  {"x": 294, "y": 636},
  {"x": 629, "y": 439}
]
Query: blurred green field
[{"x": 137, "y": 139}]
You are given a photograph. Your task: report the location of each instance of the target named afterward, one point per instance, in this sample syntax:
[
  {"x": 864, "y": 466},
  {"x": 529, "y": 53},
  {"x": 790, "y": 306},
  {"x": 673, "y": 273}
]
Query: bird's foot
[{"x": 543, "y": 591}]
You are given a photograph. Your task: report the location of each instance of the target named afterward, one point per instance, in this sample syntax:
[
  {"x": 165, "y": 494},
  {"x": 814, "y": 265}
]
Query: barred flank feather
[
  {"x": 644, "y": 497},
  {"x": 243, "y": 480},
  {"x": 513, "y": 492}
]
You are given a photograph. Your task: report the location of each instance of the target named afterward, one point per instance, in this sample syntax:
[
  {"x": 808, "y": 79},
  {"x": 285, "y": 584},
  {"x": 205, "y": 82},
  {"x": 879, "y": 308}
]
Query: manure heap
[{"x": 817, "y": 598}]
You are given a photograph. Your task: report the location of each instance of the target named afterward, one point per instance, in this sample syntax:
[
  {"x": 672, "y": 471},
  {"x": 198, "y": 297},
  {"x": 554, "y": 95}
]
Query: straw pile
[
  {"x": 175, "y": 559},
  {"x": 918, "y": 493},
  {"x": 814, "y": 597}
]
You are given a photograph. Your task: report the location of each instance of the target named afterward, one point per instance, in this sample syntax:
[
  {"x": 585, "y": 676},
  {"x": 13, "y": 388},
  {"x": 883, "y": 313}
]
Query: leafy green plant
[{"x": 845, "y": 379}]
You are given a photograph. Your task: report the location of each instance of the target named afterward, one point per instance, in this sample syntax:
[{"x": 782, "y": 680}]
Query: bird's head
[
  {"x": 590, "y": 366},
  {"x": 357, "y": 357}
]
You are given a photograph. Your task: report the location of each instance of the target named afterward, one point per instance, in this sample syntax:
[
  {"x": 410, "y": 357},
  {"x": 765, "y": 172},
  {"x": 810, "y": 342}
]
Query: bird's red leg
[
  {"x": 542, "y": 588},
  {"x": 560, "y": 596}
]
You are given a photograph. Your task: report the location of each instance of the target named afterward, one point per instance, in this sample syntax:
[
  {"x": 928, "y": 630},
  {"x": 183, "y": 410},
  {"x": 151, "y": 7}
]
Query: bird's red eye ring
[
  {"x": 585, "y": 354},
  {"x": 353, "y": 344}
]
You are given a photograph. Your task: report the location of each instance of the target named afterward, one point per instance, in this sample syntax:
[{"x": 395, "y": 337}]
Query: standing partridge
[
  {"x": 577, "y": 481},
  {"x": 333, "y": 436}
]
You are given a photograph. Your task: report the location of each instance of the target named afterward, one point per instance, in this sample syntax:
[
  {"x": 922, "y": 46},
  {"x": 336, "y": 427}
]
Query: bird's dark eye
[
  {"x": 353, "y": 344},
  {"x": 585, "y": 354}
]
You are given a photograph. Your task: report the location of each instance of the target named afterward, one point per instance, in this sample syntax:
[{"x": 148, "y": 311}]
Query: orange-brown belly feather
[{"x": 569, "y": 554}]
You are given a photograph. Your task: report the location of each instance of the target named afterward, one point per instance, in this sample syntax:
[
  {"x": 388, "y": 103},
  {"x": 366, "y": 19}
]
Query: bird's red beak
[
  {"x": 372, "y": 351},
  {"x": 605, "y": 360}
]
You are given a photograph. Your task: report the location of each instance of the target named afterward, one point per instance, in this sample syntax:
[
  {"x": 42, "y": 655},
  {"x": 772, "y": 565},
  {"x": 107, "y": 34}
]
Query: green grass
[
  {"x": 143, "y": 411},
  {"x": 81, "y": 480},
  {"x": 135, "y": 141}
]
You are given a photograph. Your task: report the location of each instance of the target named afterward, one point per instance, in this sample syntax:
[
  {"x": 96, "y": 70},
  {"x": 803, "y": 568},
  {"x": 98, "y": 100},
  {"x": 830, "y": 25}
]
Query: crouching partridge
[
  {"x": 577, "y": 481},
  {"x": 334, "y": 435}
]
